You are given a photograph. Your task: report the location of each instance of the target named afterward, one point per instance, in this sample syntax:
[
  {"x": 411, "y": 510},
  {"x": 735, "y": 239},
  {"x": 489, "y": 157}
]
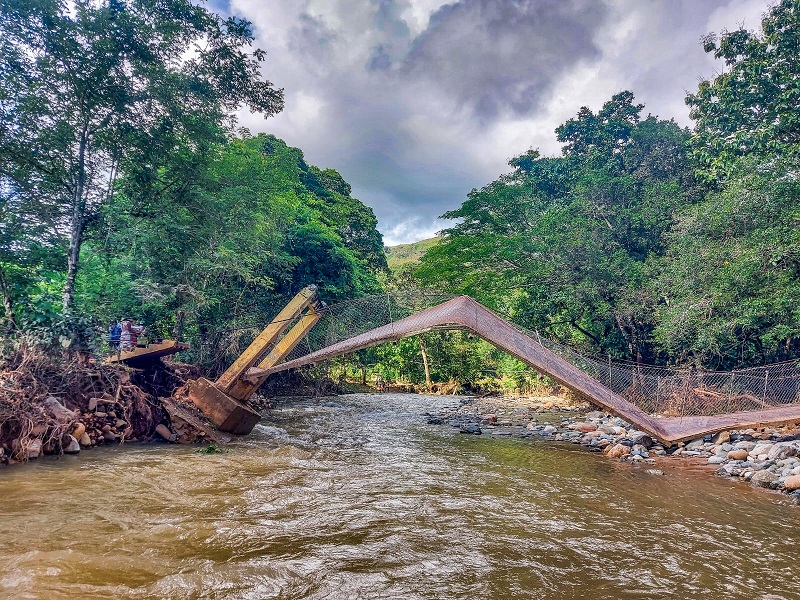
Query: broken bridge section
[{"x": 671, "y": 404}]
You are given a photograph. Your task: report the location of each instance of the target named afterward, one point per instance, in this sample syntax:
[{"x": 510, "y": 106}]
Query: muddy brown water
[{"x": 357, "y": 497}]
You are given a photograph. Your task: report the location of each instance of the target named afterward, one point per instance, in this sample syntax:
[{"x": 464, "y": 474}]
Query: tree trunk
[
  {"x": 177, "y": 331},
  {"x": 78, "y": 224},
  {"x": 73, "y": 255},
  {"x": 425, "y": 363},
  {"x": 8, "y": 305}
]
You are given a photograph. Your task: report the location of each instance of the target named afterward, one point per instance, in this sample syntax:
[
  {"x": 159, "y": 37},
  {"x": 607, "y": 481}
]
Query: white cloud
[{"x": 416, "y": 102}]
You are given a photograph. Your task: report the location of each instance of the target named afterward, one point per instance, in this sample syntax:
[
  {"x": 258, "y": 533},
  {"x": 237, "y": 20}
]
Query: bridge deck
[{"x": 464, "y": 312}]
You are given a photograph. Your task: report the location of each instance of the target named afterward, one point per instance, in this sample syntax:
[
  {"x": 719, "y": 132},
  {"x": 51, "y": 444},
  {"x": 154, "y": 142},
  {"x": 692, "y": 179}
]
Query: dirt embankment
[{"x": 60, "y": 404}]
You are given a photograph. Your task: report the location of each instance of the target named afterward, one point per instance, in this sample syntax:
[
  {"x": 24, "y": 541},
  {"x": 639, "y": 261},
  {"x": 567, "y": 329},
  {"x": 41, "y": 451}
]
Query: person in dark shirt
[{"x": 114, "y": 332}]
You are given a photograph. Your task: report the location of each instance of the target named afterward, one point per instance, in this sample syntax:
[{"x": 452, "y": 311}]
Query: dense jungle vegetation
[{"x": 127, "y": 189}]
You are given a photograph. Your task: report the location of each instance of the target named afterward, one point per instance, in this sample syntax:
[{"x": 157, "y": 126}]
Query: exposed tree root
[{"x": 53, "y": 404}]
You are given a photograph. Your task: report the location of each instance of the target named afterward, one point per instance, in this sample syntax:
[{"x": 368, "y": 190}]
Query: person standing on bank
[{"x": 114, "y": 332}]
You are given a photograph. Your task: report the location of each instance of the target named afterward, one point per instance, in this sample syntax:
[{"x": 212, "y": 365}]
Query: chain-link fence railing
[{"x": 667, "y": 391}]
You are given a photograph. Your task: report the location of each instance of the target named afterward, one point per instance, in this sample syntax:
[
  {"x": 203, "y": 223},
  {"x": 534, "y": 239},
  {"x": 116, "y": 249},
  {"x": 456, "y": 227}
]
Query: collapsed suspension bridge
[{"x": 670, "y": 403}]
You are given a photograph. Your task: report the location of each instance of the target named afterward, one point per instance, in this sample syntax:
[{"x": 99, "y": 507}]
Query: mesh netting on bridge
[{"x": 667, "y": 391}]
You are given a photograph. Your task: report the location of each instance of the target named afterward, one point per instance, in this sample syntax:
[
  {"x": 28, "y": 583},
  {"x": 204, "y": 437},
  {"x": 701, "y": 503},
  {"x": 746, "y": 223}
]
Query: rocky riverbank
[
  {"x": 52, "y": 405},
  {"x": 767, "y": 457}
]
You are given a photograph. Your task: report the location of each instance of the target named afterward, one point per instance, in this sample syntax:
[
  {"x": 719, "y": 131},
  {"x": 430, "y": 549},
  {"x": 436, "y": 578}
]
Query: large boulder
[
  {"x": 764, "y": 479},
  {"x": 58, "y": 411},
  {"x": 738, "y": 455}
]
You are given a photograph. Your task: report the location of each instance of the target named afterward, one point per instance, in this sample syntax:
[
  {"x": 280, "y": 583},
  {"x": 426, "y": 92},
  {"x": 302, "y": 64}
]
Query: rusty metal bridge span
[{"x": 670, "y": 403}]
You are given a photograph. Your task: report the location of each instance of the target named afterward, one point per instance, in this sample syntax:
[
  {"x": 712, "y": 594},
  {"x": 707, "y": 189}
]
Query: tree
[
  {"x": 227, "y": 252},
  {"x": 750, "y": 108},
  {"x": 566, "y": 244},
  {"x": 91, "y": 90},
  {"x": 730, "y": 282}
]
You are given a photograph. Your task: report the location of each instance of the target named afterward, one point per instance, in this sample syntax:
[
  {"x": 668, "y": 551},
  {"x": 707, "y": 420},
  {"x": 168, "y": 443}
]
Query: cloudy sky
[{"x": 416, "y": 102}]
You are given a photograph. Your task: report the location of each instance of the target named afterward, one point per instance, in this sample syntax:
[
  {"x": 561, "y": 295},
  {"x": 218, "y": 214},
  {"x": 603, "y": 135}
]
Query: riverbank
[
  {"x": 766, "y": 457},
  {"x": 63, "y": 404}
]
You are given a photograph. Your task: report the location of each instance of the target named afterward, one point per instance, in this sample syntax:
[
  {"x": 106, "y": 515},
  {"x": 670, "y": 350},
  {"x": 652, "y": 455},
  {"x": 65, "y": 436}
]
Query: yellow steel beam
[
  {"x": 266, "y": 338},
  {"x": 244, "y": 388}
]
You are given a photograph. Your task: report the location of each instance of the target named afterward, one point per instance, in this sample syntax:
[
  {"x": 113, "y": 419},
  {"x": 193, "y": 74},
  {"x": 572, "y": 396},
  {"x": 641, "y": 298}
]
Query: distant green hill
[{"x": 404, "y": 254}]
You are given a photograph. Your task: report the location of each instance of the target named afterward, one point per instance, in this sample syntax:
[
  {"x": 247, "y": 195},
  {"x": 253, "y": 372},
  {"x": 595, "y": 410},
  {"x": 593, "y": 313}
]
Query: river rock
[
  {"x": 721, "y": 438},
  {"x": 783, "y": 450},
  {"x": 792, "y": 483},
  {"x": 763, "y": 479},
  {"x": 550, "y": 429},
  {"x": 79, "y": 430},
  {"x": 738, "y": 454},
  {"x": 618, "y": 451},
  {"x": 85, "y": 440},
  {"x": 472, "y": 428},
  {"x": 72, "y": 446},
  {"x": 60, "y": 412},
  {"x": 163, "y": 431},
  {"x": 643, "y": 440},
  {"x": 109, "y": 436},
  {"x": 120, "y": 423},
  {"x": 716, "y": 460},
  {"x": 761, "y": 449},
  {"x": 584, "y": 427},
  {"x": 34, "y": 449}
]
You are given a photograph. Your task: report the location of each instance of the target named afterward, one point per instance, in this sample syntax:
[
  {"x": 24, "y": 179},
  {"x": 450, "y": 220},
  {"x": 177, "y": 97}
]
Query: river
[{"x": 357, "y": 497}]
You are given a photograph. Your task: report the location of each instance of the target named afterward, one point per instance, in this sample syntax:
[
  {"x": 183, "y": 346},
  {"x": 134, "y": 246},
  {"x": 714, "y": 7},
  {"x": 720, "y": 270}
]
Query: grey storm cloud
[
  {"x": 504, "y": 54},
  {"x": 416, "y": 102}
]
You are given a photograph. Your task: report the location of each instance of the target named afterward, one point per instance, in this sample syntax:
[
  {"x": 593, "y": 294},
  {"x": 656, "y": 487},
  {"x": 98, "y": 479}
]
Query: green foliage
[
  {"x": 230, "y": 250},
  {"x": 752, "y": 107},
  {"x": 730, "y": 282},
  {"x": 93, "y": 90},
  {"x": 403, "y": 255},
  {"x": 212, "y": 449}
]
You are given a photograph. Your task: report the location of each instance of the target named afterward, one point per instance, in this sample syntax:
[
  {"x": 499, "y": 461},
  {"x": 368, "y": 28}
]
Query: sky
[{"x": 416, "y": 102}]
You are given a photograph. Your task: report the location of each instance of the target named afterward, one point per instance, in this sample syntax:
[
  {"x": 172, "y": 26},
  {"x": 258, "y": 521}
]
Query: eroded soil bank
[{"x": 60, "y": 404}]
